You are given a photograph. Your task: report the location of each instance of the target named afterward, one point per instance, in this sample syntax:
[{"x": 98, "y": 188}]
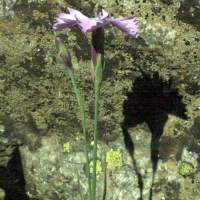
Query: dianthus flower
[{"x": 128, "y": 25}]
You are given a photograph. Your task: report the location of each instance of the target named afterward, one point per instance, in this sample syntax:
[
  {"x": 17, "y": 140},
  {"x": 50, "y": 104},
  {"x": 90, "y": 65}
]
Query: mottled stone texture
[{"x": 40, "y": 113}]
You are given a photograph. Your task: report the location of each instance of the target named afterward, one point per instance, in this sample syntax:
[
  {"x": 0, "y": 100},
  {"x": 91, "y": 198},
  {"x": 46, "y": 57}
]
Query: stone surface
[{"x": 39, "y": 110}]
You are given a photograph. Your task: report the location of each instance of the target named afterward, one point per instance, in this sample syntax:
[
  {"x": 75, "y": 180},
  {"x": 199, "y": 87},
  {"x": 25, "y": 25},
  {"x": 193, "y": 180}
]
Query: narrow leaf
[
  {"x": 79, "y": 185},
  {"x": 105, "y": 185}
]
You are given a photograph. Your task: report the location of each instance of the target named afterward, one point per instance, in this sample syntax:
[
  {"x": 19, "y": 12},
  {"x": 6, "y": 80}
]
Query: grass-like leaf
[
  {"x": 79, "y": 185},
  {"x": 105, "y": 185}
]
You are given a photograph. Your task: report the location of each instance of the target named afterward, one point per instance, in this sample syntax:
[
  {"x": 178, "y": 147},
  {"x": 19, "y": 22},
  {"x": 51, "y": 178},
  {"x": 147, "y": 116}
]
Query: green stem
[
  {"x": 97, "y": 88},
  {"x": 81, "y": 105}
]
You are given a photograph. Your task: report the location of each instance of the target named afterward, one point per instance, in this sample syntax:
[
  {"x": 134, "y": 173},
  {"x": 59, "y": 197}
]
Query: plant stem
[
  {"x": 81, "y": 105},
  {"x": 97, "y": 88}
]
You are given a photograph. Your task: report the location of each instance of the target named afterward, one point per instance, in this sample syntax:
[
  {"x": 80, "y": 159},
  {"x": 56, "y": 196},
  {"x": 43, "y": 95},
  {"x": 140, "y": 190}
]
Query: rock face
[
  {"x": 11, "y": 170},
  {"x": 150, "y": 85}
]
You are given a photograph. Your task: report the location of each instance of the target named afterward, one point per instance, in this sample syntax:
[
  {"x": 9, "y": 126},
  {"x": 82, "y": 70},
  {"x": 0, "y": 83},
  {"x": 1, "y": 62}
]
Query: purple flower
[{"x": 128, "y": 25}]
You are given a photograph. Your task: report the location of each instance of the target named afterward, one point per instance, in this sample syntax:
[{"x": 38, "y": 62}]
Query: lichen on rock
[{"x": 114, "y": 159}]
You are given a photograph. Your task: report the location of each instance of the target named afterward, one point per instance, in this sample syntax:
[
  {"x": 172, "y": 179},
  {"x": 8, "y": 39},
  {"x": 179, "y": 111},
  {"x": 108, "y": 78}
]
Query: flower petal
[
  {"x": 105, "y": 14},
  {"x": 60, "y": 26},
  {"x": 64, "y": 21},
  {"x": 76, "y": 13},
  {"x": 90, "y": 24},
  {"x": 128, "y": 25}
]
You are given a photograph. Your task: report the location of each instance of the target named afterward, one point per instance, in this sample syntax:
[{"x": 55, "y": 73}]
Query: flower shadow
[{"x": 150, "y": 101}]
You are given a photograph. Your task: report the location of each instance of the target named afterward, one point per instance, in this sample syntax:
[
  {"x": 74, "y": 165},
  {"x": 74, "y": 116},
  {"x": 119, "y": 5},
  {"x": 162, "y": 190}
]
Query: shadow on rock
[
  {"x": 12, "y": 179},
  {"x": 189, "y": 13},
  {"x": 150, "y": 101}
]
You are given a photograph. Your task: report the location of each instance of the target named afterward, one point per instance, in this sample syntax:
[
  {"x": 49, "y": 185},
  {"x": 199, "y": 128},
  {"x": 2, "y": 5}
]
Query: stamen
[{"x": 97, "y": 16}]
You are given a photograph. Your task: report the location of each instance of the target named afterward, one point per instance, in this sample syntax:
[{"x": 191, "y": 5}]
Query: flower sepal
[
  {"x": 97, "y": 71},
  {"x": 63, "y": 52}
]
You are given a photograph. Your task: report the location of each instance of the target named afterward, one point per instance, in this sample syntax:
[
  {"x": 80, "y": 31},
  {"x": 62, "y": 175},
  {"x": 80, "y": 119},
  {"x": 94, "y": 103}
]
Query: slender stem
[
  {"x": 81, "y": 105},
  {"x": 97, "y": 88},
  {"x": 105, "y": 184},
  {"x": 97, "y": 66}
]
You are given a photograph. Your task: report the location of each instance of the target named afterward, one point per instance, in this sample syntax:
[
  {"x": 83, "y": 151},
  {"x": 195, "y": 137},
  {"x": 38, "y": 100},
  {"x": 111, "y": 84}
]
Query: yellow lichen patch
[
  {"x": 67, "y": 147},
  {"x": 185, "y": 168},
  {"x": 98, "y": 167},
  {"x": 114, "y": 159}
]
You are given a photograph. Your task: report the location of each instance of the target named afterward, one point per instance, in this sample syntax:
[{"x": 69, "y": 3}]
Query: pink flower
[{"x": 128, "y": 25}]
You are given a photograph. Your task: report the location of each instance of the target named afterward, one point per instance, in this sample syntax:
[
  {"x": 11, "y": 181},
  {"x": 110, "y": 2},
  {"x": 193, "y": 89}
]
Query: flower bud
[{"x": 63, "y": 52}]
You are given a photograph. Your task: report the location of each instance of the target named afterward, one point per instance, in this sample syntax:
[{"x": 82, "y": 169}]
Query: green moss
[
  {"x": 184, "y": 168},
  {"x": 114, "y": 159},
  {"x": 67, "y": 147}
]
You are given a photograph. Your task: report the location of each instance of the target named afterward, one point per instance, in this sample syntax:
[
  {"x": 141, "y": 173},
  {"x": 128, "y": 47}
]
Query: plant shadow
[{"x": 150, "y": 101}]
